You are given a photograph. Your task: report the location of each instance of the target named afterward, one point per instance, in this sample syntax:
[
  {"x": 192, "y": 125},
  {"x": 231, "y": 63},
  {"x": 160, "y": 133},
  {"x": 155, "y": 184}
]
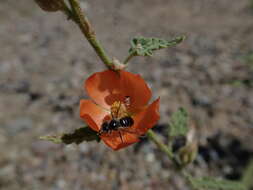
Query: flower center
[{"x": 118, "y": 110}]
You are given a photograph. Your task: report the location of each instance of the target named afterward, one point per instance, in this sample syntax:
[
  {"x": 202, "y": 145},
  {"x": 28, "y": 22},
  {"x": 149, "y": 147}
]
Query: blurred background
[{"x": 44, "y": 61}]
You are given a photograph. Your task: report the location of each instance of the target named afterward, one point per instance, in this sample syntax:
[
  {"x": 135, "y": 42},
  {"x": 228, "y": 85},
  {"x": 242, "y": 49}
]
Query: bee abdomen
[
  {"x": 114, "y": 124},
  {"x": 126, "y": 121}
]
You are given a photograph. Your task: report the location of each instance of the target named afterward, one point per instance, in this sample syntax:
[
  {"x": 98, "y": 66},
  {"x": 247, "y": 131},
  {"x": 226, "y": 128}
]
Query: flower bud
[
  {"x": 50, "y": 5},
  {"x": 188, "y": 151},
  {"x": 187, "y": 154}
]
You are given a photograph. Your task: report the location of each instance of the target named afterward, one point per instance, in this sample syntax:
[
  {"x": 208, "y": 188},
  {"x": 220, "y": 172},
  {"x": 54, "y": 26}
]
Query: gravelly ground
[{"x": 44, "y": 61}]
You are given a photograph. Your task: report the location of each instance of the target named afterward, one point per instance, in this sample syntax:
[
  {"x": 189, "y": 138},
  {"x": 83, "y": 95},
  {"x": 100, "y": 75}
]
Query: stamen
[
  {"x": 118, "y": 110},
  {"x": 127, "y": 101},
  {"x": 121, "y": 136}
]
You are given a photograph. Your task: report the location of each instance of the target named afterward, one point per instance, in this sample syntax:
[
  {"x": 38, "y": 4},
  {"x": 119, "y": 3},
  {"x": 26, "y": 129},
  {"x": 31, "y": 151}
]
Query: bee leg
[
  {"x": 120, "y": 135},
  {"x": 127, "y": 131},
  {"x": 99, "y": 133},
  {"x": 142, "y": 136}
]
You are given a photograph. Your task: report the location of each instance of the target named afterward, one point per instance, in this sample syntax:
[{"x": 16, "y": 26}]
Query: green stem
[
  {"x": 152, "y": 136},
  {"x": 130, "y": 56},
  {"x": 66, "y": 10},
  {"x": 88, "y": 32}
]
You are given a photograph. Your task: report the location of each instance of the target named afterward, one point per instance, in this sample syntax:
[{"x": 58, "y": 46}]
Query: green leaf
[
  {"x": 141, "y": 46},
  {"x": 77, "y": 137},
  {"x": 248, "y": 175},
  {"x": 53, "y": 138},
  {"x": 208, "y": 183},
  {"x": 178, "y": 124}
]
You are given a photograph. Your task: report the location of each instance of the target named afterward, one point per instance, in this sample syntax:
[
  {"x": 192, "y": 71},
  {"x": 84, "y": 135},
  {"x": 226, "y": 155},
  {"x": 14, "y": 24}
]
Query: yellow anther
[{"x": 118, "y": 110}]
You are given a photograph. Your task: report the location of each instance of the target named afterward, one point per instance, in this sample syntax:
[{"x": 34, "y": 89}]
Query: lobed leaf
[
  {"x": 141, "y": 46},
  {"x": 178, "y": 125},
  {"x": 77, "y": 137},
  {"x": 208, "y": 183}
]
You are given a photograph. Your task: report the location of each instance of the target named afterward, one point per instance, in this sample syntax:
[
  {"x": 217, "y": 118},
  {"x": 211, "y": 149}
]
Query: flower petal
[
  {"x": 92, "y": 114},
  {"x": 116, "y": 142},
  {"x": 136, "y": 88},
  {"x": 104, "y": 87},
  {"x": 145, "y": 120},
  {"x": 108, "y": 86}
]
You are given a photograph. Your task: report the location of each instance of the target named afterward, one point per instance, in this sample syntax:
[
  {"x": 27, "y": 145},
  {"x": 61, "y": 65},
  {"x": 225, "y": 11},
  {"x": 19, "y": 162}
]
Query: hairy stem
[
  {"x": 152, "y": 136},
  {"x": 130, "y": 56},
  {"x": 66, "y": 10},
  {"x": 80, "y": 18}
]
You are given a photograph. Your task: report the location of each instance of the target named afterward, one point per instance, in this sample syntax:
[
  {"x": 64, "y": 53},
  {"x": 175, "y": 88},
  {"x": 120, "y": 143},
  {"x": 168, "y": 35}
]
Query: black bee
[{"x": 116, "y": 124}]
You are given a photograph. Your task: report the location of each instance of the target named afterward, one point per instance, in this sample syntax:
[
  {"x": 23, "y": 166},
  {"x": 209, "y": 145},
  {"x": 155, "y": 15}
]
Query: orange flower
[{"x": 115, "y": 96}]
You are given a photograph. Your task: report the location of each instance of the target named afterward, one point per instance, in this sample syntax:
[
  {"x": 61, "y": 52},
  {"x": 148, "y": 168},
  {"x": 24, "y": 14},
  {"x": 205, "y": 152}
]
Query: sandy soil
[{"x": 44, "y": 61}]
